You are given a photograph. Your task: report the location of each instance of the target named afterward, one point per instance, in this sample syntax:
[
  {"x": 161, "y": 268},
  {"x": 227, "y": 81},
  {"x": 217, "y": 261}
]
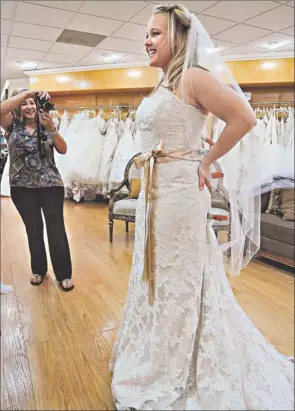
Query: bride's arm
[{"x": 223, "y": 102}]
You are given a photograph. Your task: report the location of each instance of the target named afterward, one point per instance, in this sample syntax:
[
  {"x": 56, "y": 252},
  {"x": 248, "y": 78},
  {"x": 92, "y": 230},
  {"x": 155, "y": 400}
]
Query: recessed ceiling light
[
  {"x": 273, "y": 44},
  {"x": 24, "y": 64},
  {"x": 108, "y": 57}
]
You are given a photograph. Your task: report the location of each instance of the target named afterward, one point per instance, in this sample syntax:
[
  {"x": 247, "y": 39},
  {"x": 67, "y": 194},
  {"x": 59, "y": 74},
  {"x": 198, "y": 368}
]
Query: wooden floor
[{"x": 55, "y": 347}]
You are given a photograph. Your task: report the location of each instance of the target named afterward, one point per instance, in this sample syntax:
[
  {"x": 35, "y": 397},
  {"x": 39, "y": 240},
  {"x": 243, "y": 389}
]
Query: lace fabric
[{"x": 194, "y": 349}]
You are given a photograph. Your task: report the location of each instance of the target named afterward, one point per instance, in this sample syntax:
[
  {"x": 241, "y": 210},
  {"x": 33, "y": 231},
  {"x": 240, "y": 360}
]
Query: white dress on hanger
[
  {"x": 282, "y": 133},
  {"x": 87, "y": 162},
  {"x": 75, "y": 139},
  {"x": 124, "y": 152},
  {"x": 110, "y": 144},
  {"x": 194, "y": 348},
  {"x": 64, "y": 123},
  {"x": 289, "y": 136}
]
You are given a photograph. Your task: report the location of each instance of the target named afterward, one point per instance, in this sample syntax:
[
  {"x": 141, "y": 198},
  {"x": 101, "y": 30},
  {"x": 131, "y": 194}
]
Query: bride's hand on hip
[{"x": 205, "y": 175}]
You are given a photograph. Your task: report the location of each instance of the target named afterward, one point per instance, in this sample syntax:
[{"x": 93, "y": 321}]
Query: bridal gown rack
[
  {"x": 99, "y": 148},
  {"x": 263, "y": 103},
  {"x": 275, "y": 128}
]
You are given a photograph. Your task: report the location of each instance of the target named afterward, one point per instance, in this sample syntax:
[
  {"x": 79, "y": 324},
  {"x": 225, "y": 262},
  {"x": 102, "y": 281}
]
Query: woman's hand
[
  {"x": 208, "y": 141},
  {"x": 37, "y": 93},
  {"x": 46, "y": 121},
  {"x": 204, "y": 175}
]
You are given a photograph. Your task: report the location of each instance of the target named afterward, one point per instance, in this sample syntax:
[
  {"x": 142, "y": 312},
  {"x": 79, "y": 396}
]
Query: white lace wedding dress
[{"x": 194, "y": 348}]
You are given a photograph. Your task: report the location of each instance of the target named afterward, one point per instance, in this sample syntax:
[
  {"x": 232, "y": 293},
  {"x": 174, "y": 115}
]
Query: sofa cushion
[
  {"x": 277, "y": 248},
  {"x": 272, "y": 226}
]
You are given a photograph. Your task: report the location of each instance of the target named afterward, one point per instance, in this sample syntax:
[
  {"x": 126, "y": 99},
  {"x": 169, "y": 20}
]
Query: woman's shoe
[
  {"x": 67, "y": 285},
  {"x": 37, "y": 279}
]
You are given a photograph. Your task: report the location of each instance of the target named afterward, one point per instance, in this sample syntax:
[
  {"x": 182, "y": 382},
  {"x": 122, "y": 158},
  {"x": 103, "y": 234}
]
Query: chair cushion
[
  {"x": 220, "y": 211},
  {"x": 135, "y": 187},
  {"x": 125, "y": 207}
]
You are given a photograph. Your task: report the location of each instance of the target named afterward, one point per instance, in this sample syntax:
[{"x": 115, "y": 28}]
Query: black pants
[{"x": 30, "y": 202}]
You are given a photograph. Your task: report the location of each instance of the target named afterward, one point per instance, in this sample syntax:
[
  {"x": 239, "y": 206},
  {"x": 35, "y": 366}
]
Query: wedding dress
[
  {"x": 75, "y": 138},
  {"x": 110, "y": 144},
  {"x": 124, "y": 152},
  {"x": 194, "y": 348}
]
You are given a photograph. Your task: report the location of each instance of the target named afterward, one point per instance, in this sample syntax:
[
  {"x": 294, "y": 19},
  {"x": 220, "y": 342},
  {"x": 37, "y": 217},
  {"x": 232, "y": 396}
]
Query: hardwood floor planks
[{"x": 56, "y": 346}]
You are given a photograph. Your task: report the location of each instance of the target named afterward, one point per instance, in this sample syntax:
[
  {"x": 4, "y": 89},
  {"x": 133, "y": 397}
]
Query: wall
[
  {"x": 23, "y": 82},
  {"x": 251, "y": 72},
  {"x": 268, "y": 80},
  {"x": 94, "y": 80}
]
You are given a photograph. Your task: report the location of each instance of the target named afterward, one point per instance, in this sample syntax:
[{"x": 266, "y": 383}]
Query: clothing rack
[
  {"x": 94, "y": 107},
  {"x": 261, "y": 103}
]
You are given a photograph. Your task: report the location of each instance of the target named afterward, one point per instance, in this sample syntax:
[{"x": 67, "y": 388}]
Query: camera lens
[{"x": 48, "y": 106}]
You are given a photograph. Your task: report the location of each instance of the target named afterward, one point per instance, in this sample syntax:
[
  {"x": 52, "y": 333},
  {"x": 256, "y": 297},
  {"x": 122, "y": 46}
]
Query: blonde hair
[
  {"x": 16, "y": 114},
  {"x": 179, "y": 22}
]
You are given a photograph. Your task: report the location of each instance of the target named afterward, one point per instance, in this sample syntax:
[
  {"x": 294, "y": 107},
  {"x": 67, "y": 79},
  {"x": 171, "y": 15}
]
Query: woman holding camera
[{"x": 36, "y": 185}]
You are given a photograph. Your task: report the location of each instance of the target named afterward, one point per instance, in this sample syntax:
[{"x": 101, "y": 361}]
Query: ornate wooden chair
[{"x": 124, "y": 209}]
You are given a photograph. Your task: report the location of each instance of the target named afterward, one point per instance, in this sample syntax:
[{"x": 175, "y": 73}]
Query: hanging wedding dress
[
  {"x": 64, "y": 123},
  {"x": 74, "y": 138},
  {"x": 110, "y": 144},
  {"x": 289, "y": 131},
  {"x": 124, "y": 152},
  {"x": 194, "y": 348}
]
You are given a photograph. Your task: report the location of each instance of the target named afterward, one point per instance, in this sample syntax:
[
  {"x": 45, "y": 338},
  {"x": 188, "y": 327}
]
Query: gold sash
[{"x": 147, "y": 162}]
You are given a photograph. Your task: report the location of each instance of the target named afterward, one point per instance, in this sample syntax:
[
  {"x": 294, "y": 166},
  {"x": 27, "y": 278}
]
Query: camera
[{"x": 43, "y": 104}]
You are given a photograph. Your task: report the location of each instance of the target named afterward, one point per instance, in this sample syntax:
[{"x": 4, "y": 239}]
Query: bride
[{"x": 184, "y": 342}]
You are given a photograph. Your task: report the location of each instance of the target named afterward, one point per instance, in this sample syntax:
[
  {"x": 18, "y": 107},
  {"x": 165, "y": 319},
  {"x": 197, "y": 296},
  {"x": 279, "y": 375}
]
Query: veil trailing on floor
[{"x": 241, "y": 165}]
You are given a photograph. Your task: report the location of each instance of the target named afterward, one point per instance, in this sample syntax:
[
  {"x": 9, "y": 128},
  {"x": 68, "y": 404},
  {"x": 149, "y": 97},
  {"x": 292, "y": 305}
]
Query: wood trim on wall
[{"x": 250, "y": 72}]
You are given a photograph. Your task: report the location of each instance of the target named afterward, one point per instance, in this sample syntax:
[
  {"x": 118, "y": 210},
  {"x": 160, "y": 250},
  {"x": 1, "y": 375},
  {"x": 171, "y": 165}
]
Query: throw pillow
[
  {"x": 274, "y": 205},
  {"x": 287, "y": 203},
  {"x": 135, "y": 187}
]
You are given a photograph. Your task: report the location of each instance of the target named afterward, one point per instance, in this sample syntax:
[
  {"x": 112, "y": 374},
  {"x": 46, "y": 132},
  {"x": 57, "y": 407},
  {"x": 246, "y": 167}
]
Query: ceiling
[{"x": 31, "y": 30}]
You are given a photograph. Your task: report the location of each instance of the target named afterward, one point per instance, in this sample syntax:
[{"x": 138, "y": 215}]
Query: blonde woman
[{"x": 184, "y": 342}]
